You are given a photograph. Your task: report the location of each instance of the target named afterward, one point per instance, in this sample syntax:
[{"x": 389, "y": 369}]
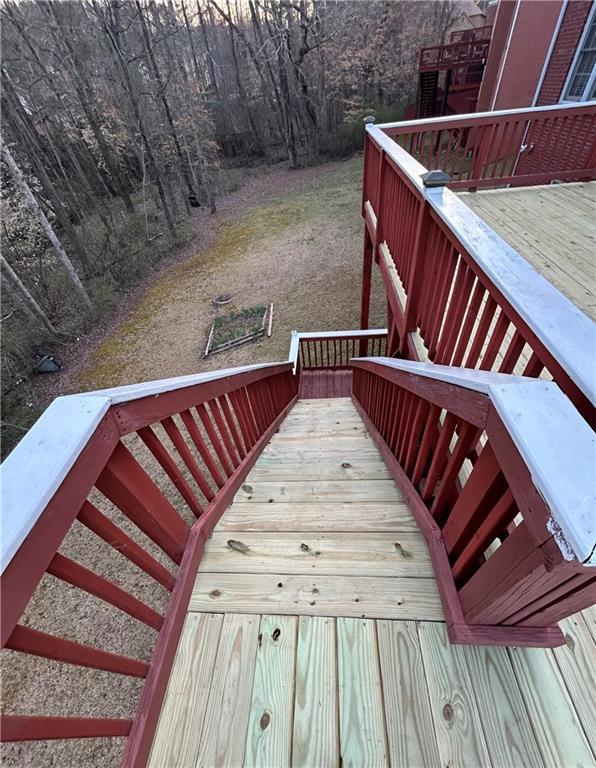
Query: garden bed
[{"x": 239, "y": 327}]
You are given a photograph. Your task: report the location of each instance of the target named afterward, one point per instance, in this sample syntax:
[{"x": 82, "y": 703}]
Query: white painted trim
[
  {"x": 341, "y": 334},
  {"x": 505, "y": 54},
  {"x": 563, "y": 101},
  {"x": 564, "y": 330},
  {"x": 33, "y": 472},
  {"x": 294, "y": 347},
  {"x": 160, "y": 386},
  {"x": 556, "y": 444},
  {"x": 549, "y": 53},
  {"x": 477, "y": 116}
]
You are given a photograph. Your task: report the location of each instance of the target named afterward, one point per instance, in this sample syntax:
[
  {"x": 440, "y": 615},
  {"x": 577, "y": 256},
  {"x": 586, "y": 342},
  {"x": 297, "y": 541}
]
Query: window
[{"x": 581, "y": 81}]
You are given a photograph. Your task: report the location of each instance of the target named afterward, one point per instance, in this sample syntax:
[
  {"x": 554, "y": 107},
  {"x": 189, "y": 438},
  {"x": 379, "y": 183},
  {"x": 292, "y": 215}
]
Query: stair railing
[
  {"x": 168, "y": 456},
  {"x": 499, "y": 472},
  {"x": 458, "y": 294}
]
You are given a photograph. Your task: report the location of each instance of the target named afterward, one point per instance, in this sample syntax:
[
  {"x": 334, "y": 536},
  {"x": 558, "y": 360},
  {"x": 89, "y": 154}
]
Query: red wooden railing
[
  {"x": 490, "y": 459},
  {"x": 169, "y": 456},
  {"x": 458, "y": 294},
  {"x": 322, "y": 360},
  {"x": 515, "y": 147},
  {"x": 454, "y": 54}
]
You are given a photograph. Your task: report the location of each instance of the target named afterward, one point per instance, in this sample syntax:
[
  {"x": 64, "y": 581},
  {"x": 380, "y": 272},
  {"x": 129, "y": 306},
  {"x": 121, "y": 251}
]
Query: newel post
[{"x": 431, "y": 180}]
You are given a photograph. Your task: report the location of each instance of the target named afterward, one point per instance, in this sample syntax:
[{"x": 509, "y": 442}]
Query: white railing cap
[
  {"x": 557, "y": 445},
  {"x": 436, "y": 121},
  {"x": 33, "y": 472}
]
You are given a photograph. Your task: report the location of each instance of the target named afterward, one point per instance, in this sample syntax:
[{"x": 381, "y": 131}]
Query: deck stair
[{"x": 315, "y": 634}]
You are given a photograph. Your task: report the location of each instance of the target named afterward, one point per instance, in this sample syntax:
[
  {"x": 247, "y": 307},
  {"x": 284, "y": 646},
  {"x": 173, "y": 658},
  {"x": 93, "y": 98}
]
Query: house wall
[
  {"x": 571, "y": 30},
  {"x": 521, "y": 39}
]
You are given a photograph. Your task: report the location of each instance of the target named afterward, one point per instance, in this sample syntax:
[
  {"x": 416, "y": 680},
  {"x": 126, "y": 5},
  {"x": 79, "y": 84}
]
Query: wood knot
[
  {"x": 238, "y": 546},
  {"x": 448, "y": 712},
  {"x": 247, "y": 488},
  {"x": 215, "y": 593},
  {"x": 346, "y": 465},
  {"x": 265, "y": 720},
  {"x": 275, "y": 635},
  {"x": 403, "y": 552},
  {"x": 304, "y": 547},
  {"x": 569, "y": 642}
]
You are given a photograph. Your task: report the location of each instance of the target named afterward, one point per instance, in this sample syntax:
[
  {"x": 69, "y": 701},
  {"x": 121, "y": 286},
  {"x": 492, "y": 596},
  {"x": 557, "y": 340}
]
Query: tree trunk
[
  {"x": 22, "y": 185},
  {"x": 30, "y": 306},
  {"x": 87, "y": 100}
]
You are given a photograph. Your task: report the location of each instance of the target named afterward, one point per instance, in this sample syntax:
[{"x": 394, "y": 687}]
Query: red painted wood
[
  {"x": 575, "y": 600},
  {"x": 103, "y": 527},
  {"x": 495, "y": 521},
  {"x": 32, "y": 641},
  {"x": 129, "y": 487},
  {"x": 185, "y": 454},
  {"x": 231, "y": 424},
  {"x": 468, "y": 437},
  {"x": 22, "y": 575},
  {"x": 147, "y": 410},
  {"x": 138, "y": 746},
  {"x": 27, "y": 728},
  {"x": 213, "y": 406},
  {"x": 170, "y": 467},
  {"x": 440, "y": 456},
  {"x": 516, "y": 637},
  {"x": 201, "y": 446},
  {"x": 320, "y": 383},
  {"x": 214, "y": 438},
  {"x": 483, "y": 487},
  {"x": 465, "y": 403},
  {"x": 73, "y": 573}
]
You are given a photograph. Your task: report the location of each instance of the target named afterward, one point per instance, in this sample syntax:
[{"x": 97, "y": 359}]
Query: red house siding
[
  {"x": 564, "y": 51},
  {"x": 521, "y": 39}
]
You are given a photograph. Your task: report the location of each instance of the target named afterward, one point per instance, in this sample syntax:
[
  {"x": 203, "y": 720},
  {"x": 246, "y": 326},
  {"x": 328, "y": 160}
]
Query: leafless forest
[{"x": 121, "y": 118}]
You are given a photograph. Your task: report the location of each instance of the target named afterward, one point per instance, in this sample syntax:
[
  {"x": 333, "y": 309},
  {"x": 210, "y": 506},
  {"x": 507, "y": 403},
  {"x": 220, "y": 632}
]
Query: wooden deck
[
  {"x": 554, "y": 228},
  {"x": 315, "y": 635}
]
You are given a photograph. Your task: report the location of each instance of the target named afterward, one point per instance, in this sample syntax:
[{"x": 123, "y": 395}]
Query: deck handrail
[
  {"x": 363, "y": 336},
  {"x": 472, "y": 452},
  {"x": 477, "y": 118},
  {"x": 414, "y": 228},
  {"x": 192, "y": 437},
  {"x": 33, "y": 471}
]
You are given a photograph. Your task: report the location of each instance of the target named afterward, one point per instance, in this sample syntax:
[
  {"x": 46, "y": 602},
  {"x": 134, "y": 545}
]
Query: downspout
[
  {"x": 550, "y": 51},
  {"x": 504, "y": 57},
  {"x": 547, "y": 59}
]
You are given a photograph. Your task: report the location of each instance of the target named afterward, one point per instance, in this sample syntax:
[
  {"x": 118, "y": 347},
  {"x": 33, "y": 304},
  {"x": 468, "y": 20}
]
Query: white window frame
[{"x": 570, "y": 75}]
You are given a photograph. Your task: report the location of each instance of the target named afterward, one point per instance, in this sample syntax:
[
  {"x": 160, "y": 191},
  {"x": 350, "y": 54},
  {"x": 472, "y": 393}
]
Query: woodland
[{"x": 122, "y": 118}]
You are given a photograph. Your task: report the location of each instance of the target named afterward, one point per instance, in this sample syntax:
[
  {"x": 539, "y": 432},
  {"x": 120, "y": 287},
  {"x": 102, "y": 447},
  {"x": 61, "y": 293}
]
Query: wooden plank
[
  {"x": 589, "y": 616},
  {"x": 325, "y": 451},
  {"x": 177, "y": 737},
  {"x": 311, "y": 491},
  {"x": 343, "y": 516},
  {"x": 349, "y": 554},
  {"x": 577, "y": 661},
  {"x": 356, "y": 469},
  {"x": 458, "y": 727},
  {"x": 559, "y": 735},
  {"x": 223, "y": 736},
  {"x": 363, "y": 740},
  {"x": 269, "y": 736},
  {"x": 350, "y": 596},
  {"x": 410, "y": 727},
  {"x": 507, "y": 729},
  {"x": 315, "y": 738}
]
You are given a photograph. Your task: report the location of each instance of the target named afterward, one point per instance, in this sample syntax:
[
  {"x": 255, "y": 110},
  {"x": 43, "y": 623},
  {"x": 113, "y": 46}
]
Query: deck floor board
[{"x": 315, "y": 634}]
